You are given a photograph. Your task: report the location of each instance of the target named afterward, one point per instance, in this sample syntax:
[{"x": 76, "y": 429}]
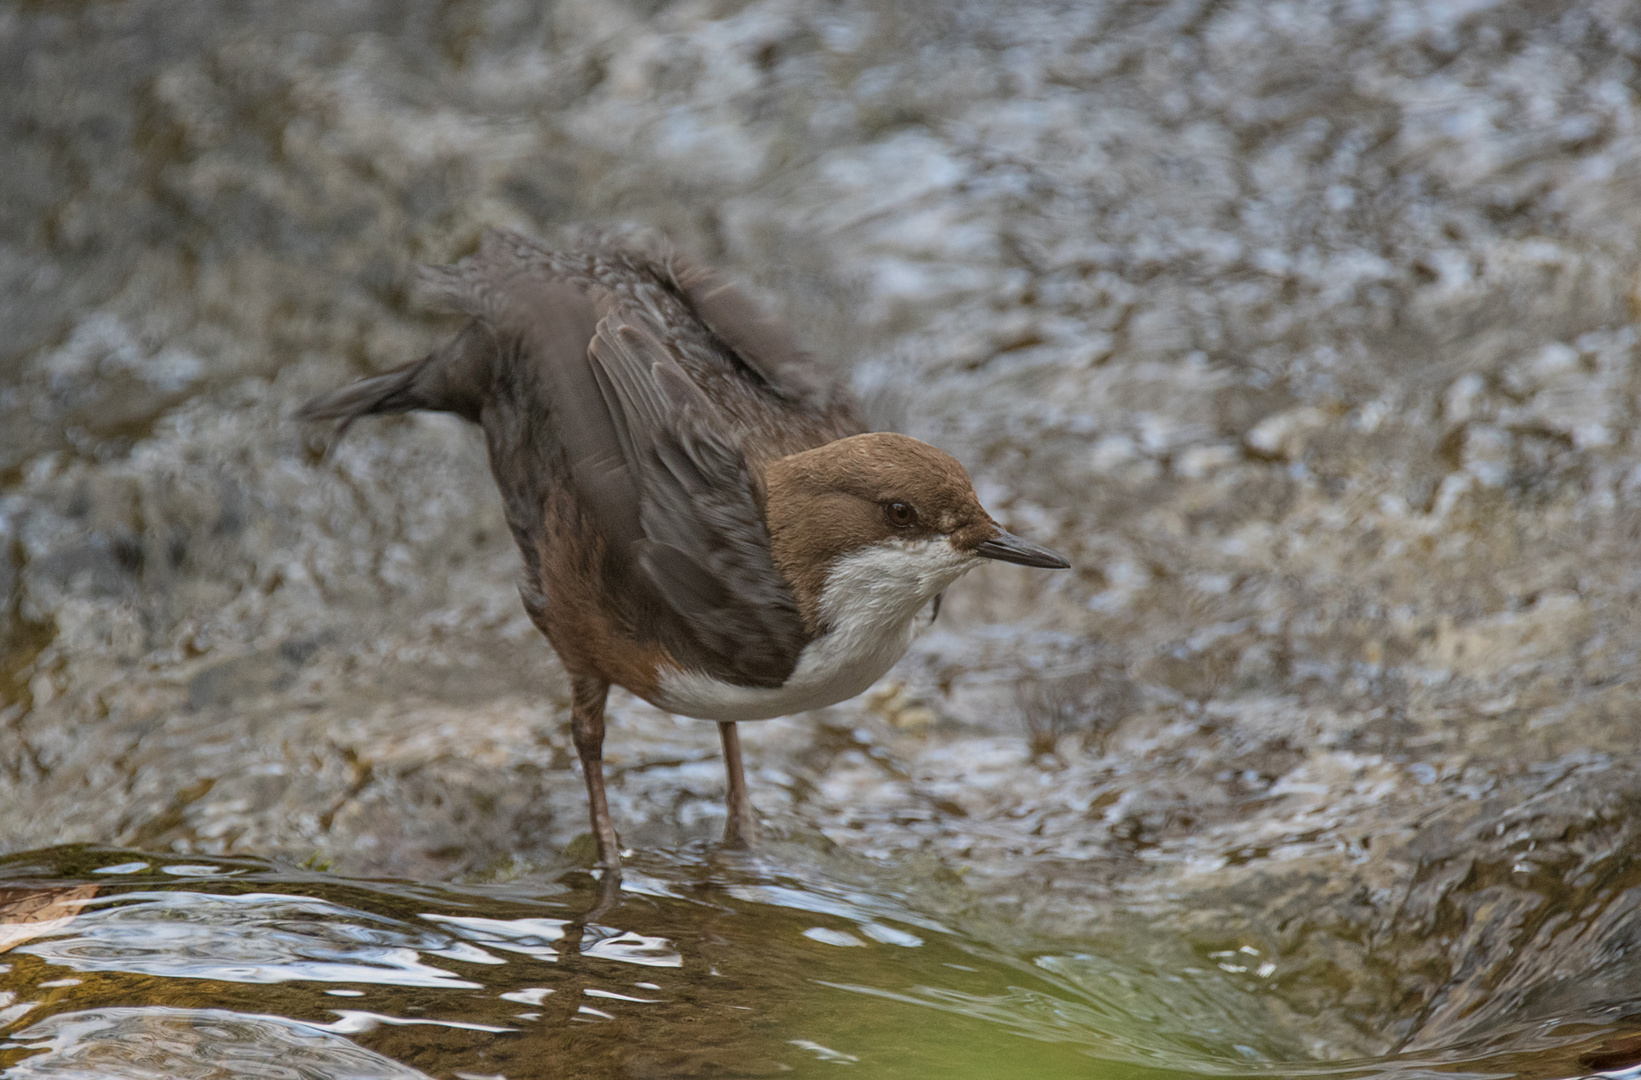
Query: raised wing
[
  {"x": 573, "y": 359},
  {"x": 700, "y": 542},
  {"x": 760, "y": 342}
]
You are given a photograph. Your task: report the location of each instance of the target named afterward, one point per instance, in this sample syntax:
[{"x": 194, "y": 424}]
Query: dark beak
[{"x": 1006, "y": 547}]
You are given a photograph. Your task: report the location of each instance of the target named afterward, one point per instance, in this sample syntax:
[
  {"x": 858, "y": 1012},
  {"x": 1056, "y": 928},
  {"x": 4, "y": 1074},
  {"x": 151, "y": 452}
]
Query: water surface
[{"x": 125, "y": 964}]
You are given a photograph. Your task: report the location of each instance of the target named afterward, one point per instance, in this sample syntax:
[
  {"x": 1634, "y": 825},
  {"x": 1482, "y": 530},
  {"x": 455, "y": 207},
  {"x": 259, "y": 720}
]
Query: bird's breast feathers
[{"x": 871, "y": 605}]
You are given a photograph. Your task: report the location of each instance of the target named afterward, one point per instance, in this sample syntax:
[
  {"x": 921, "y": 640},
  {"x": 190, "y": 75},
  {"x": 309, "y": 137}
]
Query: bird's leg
[
  {"x": 587, "y": 729},
  {"x": 738, "y": 829}
]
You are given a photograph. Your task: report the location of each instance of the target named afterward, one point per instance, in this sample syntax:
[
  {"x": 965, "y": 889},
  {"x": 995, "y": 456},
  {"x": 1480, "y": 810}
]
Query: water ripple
[
  {"x": 163, "y": 1043},
  {"x": 251, "y": 938}
]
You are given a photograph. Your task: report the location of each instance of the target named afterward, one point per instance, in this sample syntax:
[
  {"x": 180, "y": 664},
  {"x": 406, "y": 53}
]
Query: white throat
[{"x": 870, "y": 606}]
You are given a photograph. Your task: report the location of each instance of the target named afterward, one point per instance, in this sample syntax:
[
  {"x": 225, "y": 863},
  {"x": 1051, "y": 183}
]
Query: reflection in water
[
  {"x": 532, "y": 937},
  {"x": 26, "y": 914},
  {"x": 158, "y": 1043},
  {"x": 252, "y": 938},
  {"x": 234, "y": 970},
  {"x": 608, "y": 943}
]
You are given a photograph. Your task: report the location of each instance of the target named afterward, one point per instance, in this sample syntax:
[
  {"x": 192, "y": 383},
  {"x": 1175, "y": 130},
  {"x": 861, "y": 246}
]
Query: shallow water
[{"x": 707, "y": 963}]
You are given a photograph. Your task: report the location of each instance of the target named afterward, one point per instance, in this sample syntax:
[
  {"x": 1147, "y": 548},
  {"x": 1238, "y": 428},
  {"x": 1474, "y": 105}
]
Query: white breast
[{"x": 871, "y": 601}]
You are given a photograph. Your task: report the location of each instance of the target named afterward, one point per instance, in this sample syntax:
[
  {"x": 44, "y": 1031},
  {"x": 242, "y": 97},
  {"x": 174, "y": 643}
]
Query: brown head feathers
[{"x": 852, "y": 493}]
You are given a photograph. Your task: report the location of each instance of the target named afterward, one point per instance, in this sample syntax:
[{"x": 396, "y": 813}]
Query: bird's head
[{"x": 884, "y": 521}]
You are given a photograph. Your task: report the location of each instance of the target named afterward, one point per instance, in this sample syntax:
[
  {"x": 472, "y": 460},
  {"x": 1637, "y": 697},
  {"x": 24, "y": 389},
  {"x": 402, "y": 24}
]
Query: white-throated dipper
[{"x": 703, "y": 518}]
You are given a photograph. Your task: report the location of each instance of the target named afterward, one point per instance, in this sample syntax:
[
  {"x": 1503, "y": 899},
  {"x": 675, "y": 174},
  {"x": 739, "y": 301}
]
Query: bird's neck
[{"x": 882, "y": 587}]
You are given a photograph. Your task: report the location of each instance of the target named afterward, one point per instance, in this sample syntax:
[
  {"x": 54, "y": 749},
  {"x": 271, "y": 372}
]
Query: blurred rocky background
[{"x": 1309, "y": 330}]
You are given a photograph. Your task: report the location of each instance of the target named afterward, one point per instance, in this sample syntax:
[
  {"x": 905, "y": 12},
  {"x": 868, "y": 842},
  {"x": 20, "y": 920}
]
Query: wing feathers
[
  {"x": 482, "y": 284},
  {"x": 762, "y": 343},
  {"x": 589, "y": 357},
  {"x": 703, "y": 545},
  {"x": 755, "y": 647}
]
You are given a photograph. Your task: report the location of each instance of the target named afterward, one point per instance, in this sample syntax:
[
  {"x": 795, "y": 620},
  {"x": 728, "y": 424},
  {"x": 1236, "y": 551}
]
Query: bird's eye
[{"x": 900, "y": 514}]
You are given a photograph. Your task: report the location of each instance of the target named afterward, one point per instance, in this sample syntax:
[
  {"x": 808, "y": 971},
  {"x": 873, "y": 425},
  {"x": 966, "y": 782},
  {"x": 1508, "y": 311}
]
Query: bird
[{"x": 703, "y": 516}]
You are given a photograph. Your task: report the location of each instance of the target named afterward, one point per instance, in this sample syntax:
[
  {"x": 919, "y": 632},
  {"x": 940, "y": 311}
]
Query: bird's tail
[
  {"x": 392, "y": 392},
  {"x": 452, "y": 378}
]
